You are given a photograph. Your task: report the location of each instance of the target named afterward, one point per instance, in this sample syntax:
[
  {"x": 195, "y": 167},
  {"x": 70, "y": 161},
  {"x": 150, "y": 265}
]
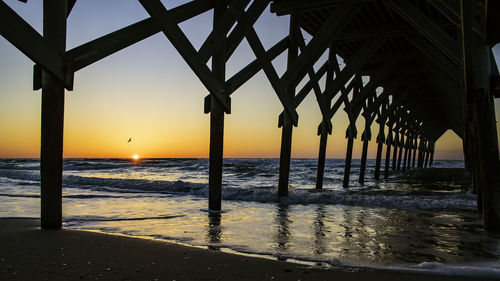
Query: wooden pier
[{"x": 431, "y": 58}]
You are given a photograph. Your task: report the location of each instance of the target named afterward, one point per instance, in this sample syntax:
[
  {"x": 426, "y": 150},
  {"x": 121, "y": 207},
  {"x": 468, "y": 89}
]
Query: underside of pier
[{"x": 413, "y": 69}]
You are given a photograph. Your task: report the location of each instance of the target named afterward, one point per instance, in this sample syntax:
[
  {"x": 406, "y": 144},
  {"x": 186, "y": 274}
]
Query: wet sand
[{"x": 28, "y": 253}]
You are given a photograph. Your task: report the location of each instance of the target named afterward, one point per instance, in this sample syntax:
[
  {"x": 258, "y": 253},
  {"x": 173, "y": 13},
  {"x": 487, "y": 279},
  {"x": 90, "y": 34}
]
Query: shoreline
[{"x": 28, "y": 253}]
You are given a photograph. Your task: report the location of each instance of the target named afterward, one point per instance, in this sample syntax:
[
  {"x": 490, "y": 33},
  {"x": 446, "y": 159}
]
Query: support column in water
[
  {"x": 395, "y": 144},
  {"x": 351, "y": 134},
  {"x": 287, "y": 129},
  {"x": 400, "y": 145},
  {"x": 217, "y": 109},
  {"x": 431, "y": 158},
  {"x": 388, "y": 152},
  {"x": 380, "y": 144},
  {"x": 323, "y": 132},
  {"x": 365, "y": 137},
  {"x": 414, "y": 146},
  {"x": 405, "y": 158}
]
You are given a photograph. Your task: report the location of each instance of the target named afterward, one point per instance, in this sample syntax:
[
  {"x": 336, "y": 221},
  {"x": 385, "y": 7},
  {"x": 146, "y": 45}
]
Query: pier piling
[
  {"x": 216, "y": 153},
  {"x": 321, "y": 157},
  {"x": 380, "y": 144},
  {"x": 51, "y": 151},
  {"x": 348, "y": 159}
]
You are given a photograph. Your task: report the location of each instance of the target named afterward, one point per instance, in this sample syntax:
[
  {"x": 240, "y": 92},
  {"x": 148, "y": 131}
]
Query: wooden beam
[
  {"x": 286, "y": 6},
  {"x": 34, "y": 46},
  {"x": 179, "y": 40},
  {"x": 362, "y": 56},
  {"x": 433, "y": 53},
  {"x": 312, "y": 75},
  {"x": 106, "y": 45},
  {"x": 375, "y": 81},
  {"x": 388, "y": 30},
  {"x": 427, "y": 27},
  {"x": 217, "y": 37},
  {"x": 330, "y": 30},
  {"x": 448, "y": 8},
  {"x": 271, "y": 74},
  {"x": 342, "y": 99},
  {"x": 240, "y": 78},
  {"x": 244, "y": 23}
]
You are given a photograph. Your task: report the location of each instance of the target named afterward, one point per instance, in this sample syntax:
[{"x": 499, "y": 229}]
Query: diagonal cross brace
[
  {"x": 244, "y": 23},
  {"x": 272, "y": 76},
  {"x": 215, "y": 39},
  {"x": 238, "y": 79},
  {"x": 363, "y": 55},
  {"x": 375, "y": 81},
  {"x": 427, "y": 27},
  {"x": 34, "y": 46},
  {"x": 95, "y": 50},
  {"x": 106, "y": 45},
  {"x": 182, "y": 44},
  {"x": 328, "y": 32}
]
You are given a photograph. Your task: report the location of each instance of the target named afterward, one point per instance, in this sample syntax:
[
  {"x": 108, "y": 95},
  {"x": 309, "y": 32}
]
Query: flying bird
[{"x": 129, "y": 140}]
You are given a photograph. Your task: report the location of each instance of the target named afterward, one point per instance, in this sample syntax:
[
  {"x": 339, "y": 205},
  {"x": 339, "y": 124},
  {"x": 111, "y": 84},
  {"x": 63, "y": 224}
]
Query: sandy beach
[{"x": 28, "y": 253}]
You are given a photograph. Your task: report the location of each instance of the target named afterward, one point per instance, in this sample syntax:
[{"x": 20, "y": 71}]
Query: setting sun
[{"x": 135, "y": 157}]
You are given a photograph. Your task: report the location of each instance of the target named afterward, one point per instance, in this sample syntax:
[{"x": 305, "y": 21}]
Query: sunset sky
[{"x": 148, "y": 93}]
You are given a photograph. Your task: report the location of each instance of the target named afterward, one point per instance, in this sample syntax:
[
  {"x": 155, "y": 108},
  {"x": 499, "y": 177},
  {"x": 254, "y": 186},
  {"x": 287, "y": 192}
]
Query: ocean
[{"x": 421, "y": 220}]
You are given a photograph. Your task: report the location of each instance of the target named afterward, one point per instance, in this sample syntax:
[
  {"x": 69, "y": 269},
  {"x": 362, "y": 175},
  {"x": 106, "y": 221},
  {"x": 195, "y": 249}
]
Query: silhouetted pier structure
[{"x": 431, "y": 58}]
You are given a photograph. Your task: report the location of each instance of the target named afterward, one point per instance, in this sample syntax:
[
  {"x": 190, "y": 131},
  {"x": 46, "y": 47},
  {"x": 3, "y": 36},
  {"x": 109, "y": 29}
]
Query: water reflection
[
  {"x": 282, "y": 236},
  {"x": 320, "y": 239},
  {"x": 214, "y": 230}
]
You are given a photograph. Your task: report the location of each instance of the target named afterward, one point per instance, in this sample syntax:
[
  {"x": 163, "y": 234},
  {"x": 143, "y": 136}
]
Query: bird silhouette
[{"x": 129, "y": 140}]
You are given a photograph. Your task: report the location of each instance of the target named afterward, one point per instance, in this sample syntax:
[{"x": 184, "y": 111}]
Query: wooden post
[
  {"x": 421, "y": 153},
  {"x": 51, "y": 151},
  {"x": 409, "y": 148},
  {"x": 348, "y": 159},
  {"x": 365, "y": 137},
  {"x": 405, "y": 159},
  {"x": 395, "y": 151},
  {"x": 321, "y": 157},
  {"x": 217, "y": 121},
  {"x": 401, "y": 145},
  {"x": 380, "y": 143},
  {"x": 287, "y": 129},
  {"x": 414, "y": 146},
  {"x": 426, "y": 164},
  {"x": 388, "y": 152},
  {"x": 431, "y": 158}
]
